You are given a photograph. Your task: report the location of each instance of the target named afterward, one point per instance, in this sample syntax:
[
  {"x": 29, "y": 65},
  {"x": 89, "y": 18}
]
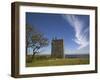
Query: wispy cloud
[{"x": 81, "y": 32}]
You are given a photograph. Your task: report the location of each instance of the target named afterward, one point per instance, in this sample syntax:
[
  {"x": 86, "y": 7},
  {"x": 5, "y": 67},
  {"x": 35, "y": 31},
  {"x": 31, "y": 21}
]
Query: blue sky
[{"x": 73, "y": 29}]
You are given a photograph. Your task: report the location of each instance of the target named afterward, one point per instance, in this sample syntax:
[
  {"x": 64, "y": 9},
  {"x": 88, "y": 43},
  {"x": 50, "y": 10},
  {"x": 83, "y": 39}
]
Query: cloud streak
[{"x": 81, "y": 32}]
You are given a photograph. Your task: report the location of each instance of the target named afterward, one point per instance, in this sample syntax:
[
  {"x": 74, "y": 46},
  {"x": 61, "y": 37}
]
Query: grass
[{"x": 57, "y": 62}]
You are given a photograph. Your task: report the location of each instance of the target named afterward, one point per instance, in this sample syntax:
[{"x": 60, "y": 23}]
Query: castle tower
[{"x": 57, "y": 50}]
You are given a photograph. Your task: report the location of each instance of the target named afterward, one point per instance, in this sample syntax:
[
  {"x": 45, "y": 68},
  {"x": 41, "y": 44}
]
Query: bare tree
[
  {"x": 34, "y": 40},
  {"x": 29, "y": 32},
  {"x": 38, "y": 41}
]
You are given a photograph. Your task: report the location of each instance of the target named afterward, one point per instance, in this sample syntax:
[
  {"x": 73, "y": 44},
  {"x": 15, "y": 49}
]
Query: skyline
[{"x": 73, "y": 29}]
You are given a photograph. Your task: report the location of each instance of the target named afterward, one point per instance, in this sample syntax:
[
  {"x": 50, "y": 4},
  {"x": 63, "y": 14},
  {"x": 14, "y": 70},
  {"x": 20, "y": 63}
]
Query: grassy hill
[{"x": 46, "y": 60}]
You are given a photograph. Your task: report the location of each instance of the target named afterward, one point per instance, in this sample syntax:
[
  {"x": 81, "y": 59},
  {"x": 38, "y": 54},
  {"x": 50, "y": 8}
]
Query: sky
[{"x": 73, "y": 29}]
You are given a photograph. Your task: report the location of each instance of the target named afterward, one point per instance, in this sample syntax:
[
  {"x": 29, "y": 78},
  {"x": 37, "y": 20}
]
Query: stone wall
[{"x": 57, "y": 49}]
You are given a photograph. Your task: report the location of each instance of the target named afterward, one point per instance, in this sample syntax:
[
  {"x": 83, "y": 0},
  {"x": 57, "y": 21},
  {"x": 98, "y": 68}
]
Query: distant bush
[
  {"x": 42, "y": 57},
  {"x": 37, "y": 57},
  {"x": 28, "y": 59}
]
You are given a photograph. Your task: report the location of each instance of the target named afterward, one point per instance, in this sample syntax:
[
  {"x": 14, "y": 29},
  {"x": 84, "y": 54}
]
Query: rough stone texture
[{"x": 57, "y": 50}]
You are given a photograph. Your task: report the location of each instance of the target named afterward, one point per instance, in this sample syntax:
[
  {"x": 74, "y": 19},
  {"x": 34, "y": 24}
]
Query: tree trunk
[{"x": 33, "y": 55}]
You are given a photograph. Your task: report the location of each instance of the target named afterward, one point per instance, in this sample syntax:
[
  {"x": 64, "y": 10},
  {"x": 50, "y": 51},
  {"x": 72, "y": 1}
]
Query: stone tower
[{"x": 57, "y": 50}]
